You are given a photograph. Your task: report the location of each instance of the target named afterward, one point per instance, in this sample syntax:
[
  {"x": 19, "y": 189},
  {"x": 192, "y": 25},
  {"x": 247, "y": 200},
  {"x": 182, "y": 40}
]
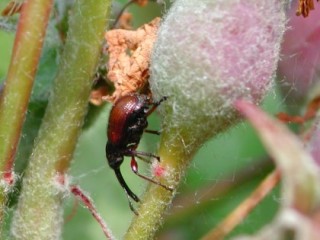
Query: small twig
[
  {"x": 120, "y": 13},
  {"x": 141, "y": 3},
  {"x": 12, "y": 8},
  {"x": 63, "y": 185},
  {"x": 79, "y": 194},
  {"x": 185, "y": 203},
  {"x": 311, "y": 111},
  {"x": 233, "y": 219}
]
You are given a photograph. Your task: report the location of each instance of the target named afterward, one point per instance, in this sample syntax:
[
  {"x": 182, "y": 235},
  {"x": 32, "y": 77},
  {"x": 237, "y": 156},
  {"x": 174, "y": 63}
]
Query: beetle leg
[
  {"x": 125, "y": 186},
  {"x": 144, "y": 159},
  {"x": 155, "y": 105},
  {"x": 138, "y": 154},
  {"x": 152, "y": 131},
  {"x": 131, "y": 207},
  {"x": 134, "y": 167}
]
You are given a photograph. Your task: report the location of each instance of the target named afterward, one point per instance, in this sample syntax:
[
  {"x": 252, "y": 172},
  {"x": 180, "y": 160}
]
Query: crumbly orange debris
[
  {"x": 304, "y": 7},
  {"x": 129, "y": 58}
]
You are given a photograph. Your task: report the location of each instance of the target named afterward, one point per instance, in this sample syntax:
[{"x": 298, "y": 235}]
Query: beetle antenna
[
  {"x": 155, "y": 132},
  {"x": 155, "y": 105},
  {"x": 125, "y": 187}
]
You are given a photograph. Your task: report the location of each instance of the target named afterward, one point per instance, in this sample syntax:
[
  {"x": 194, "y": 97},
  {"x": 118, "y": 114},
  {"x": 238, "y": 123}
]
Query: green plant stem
[
  {"x": 175, "y": 158},
  {"x": 18, "y": 85},
  {"x": 39, "y": 211}
]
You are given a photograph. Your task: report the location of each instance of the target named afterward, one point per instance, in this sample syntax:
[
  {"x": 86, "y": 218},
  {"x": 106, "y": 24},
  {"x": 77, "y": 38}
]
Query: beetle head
[{"x": 114, "y": 156}]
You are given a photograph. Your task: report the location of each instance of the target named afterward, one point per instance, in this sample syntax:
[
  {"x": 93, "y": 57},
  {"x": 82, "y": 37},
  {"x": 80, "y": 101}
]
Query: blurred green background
[{"x": 219, "y": 160}]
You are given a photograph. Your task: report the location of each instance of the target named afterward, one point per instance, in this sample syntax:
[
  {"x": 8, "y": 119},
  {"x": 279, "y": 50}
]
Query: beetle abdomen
[{"x": 127, "y": 120}]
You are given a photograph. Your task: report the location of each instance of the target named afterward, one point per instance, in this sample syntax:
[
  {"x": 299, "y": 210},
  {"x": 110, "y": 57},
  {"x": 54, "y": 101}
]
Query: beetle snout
[{"x": 114, "y": 160}]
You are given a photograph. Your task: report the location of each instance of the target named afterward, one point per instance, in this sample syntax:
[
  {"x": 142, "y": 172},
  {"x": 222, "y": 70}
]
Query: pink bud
[
  {"x": 210, "y": 53},
  {"x": 299, "y": 68}
]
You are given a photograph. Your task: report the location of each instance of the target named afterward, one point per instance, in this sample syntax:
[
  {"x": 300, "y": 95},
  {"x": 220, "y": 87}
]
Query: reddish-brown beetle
[{"x": 127, "y": 122}]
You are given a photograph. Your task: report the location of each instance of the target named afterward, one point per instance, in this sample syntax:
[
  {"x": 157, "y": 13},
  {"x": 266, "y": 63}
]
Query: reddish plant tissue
[
  {"x": 9, "y": 178},
  {"x": 158, "y": 170},
  {"x": 299, "y": 67},
  {"x": 313, "y": 145},
  {"x": 12, "y": 8}
]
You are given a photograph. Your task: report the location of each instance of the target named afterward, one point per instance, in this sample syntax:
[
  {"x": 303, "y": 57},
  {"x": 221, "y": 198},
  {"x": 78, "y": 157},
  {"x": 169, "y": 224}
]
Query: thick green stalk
[
  {"x": 39, "y": 212},
  {"x": 18, "y": 85},
  {"x": 174, "y": 159}
]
